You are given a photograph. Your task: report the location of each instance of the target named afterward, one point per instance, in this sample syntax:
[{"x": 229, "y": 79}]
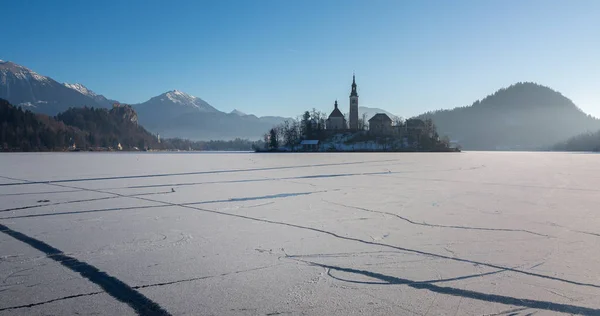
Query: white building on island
[{"x": 337, "y": 121}]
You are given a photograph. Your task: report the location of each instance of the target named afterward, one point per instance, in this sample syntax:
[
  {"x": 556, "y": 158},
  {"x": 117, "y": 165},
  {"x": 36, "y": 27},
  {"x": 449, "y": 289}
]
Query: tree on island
[{"x": 273, "y": 141}]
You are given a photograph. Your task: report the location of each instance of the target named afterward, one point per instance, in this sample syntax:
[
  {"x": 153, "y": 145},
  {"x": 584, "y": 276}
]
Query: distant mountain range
[
  {"x": 171, "y": 114},
  {"x": 523, "y": 116},
  {"x": 370, "y": 112},
  {"x": 177, "y": 114}
]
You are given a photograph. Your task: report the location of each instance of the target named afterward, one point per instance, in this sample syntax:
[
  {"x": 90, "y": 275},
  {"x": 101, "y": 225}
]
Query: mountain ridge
[
  {"x": 525, "y": 115},
  {"x": 25, "y": 87},
  {"x": 178, "y": 114},
  {"x": 100, "y": 99}
]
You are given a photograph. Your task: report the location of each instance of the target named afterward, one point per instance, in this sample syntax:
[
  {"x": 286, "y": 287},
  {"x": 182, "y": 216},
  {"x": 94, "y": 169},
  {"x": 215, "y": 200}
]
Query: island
[{"x": 316, "y": 132}]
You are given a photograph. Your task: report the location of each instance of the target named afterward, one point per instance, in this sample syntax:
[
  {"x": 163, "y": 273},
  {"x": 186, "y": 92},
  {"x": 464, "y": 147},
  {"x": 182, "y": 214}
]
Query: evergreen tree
[{"x": 273, "y": 141}]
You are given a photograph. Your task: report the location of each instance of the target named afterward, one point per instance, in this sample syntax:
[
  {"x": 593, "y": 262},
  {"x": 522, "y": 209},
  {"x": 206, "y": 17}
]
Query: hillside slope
[
  {"x": 524, "y": 116},
  {"x": 86, "y": 128}
]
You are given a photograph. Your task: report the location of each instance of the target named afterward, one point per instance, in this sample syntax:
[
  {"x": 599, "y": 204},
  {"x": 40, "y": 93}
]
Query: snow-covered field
[{"x": 471, "y": 233}]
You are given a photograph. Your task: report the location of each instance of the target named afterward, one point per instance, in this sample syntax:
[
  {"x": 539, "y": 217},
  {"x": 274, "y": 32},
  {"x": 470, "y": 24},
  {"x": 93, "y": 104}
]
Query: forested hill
[
  {"x": 86, "y": 128},
  {"x": 91, "y": 129},
  {"x": 524, "y": 116},
  {"x": 108, "y": 128},
  {"x": 583, "y": 142}
]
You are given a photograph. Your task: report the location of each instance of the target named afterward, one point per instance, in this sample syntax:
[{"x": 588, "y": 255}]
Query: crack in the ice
[
  {"x": 465, "y": 277},
  {"x": 259, "y": 205},
  {"x": 450, "y": 251},
  {"x": 80, "y": 201},
  {"x": 181, "y": 184},
  {"x": 254, "y": 198},
  {"x": 117, "y": 195},
  {"x": 111, "y": 285},
  {"x": 438, "y": 225},
  {"x": 490, "y": 298},
  {"x": 425, "y": 253},
  {"x": 537, "y": 265},
  {"x": 318, "y": 176},
  {"x": 202, "y": 278},
  {"x": 190, "y": 206},
  {"x": 431, "y": 287},
  {"x": 40, "y": 192},
  {"x": 50, "y": 301},
  {"x": 135, "y": 287},
  {"x": 587, "y": 233},
  {"x": 511, "y": 311},
  {"x": 112, "y": 209},
  {"x": 26, "y": 182}
]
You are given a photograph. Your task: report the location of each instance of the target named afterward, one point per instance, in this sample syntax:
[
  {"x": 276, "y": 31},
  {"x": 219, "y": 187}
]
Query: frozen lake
[{"x": 472, "y": 233}]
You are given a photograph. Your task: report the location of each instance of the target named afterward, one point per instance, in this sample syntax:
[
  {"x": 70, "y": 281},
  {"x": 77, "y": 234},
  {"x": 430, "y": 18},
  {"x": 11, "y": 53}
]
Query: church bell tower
[{"x": 353, "y": 106}]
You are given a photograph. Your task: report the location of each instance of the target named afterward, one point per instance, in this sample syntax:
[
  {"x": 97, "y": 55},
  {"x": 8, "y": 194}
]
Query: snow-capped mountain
[
  {"x": 100, "y": 99},
  {"x": 172, "y": 114},
  {"x": 170, "y": 105},
  {"x": 25, "y": 87},
  {"x": 178, "y": 114},
  {"x": 81, "y": 89},
  {"x": 178, "y": 101}
]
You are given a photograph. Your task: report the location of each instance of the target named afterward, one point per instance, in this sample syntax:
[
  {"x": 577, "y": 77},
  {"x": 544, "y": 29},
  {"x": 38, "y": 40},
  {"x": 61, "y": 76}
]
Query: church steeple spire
[
  {"x": 353, "y": 105},
  {"x": 353, "y": 93}
]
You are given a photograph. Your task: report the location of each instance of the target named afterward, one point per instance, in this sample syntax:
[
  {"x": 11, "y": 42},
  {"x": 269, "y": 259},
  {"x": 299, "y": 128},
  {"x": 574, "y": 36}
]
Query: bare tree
[
  {"x": 362, "y": 122},
  {"x": 347, "y": 120},
  {"x": 397, "y": 120},
  {"x": 429, "y": 127},
  {"x": 290, "y": 133}
]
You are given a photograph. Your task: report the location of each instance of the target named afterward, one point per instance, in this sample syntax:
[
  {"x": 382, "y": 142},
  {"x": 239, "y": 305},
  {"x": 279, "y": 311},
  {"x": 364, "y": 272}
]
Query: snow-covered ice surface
[{"x": 472, "y": 233}]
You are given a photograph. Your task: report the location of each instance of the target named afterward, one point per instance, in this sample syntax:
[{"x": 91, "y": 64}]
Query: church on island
[
  {"x": 337, "y": 121},
  {"x": 379, "y": 124},
  {"x": 339, "y": 132}
]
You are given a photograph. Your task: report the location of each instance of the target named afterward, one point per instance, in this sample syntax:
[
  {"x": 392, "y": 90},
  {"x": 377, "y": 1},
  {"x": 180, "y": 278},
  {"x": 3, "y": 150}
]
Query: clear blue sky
[{"x": 279, "y": 57}]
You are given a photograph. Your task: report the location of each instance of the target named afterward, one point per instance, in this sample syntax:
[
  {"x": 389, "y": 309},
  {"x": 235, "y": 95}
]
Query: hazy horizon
[{"x": 280, "y": 58}]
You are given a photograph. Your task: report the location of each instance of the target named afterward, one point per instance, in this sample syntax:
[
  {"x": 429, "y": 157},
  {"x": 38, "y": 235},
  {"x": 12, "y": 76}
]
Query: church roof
[
  {"x": 380, "y": 117},
  {"x": 336, "y": 112}
]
